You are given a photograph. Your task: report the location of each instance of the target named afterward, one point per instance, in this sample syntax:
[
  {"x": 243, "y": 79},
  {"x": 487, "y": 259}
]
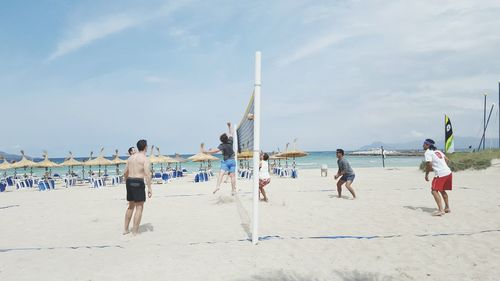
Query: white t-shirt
[
  {"x": 264, "y": 170},
  {"x": 439, "y": 165}
]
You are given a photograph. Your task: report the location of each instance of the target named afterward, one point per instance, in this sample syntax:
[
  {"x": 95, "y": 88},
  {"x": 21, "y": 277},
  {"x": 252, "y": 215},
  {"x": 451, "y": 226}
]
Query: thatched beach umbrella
[
  {"x": 85, "y": 164},
  {"x": 70, "y": 162},
  {"x": 99, "y": 161},
  {"x": 117, "y": 161},
  {"x": 294, "y": 153},
  {"x": 166, "y": 159},
  {"x": 179, "y": 160},
  {"x": 202, "y": 156},
  {"x": 46, "y": 163},
  {"x": 4, "y": 166},
  {"x": 24, "y": 163},
  {"x": 245, "y": 154}
]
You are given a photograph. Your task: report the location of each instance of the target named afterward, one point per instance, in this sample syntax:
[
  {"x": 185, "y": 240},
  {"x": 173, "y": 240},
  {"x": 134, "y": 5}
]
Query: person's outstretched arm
[
  {"x": 212, "y": 151},
  {"x": 230, "y": 128}
]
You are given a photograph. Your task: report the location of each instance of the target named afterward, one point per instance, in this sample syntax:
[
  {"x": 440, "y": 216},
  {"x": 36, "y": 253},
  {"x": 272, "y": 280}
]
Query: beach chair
[
  {"x": 3, "y": 185},
  {"x": 116, "y": 180},
  {"x": 157, "y": 177},
  {"x": 165, "y": 177},
  {"x": 10, "y": 181},
  {"x": 96, "y": 182},
  {"x": 43, "y": 185},
  {"x": 324, "y": 170},
  {"x": 294, "y": 173},
  {"x": 18, "y": 183},
  {"x": 69, "y": 181}
]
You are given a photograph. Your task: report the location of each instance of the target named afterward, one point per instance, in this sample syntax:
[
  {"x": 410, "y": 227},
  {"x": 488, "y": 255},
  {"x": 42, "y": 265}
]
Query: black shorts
[{"x": 136, "y": 190}]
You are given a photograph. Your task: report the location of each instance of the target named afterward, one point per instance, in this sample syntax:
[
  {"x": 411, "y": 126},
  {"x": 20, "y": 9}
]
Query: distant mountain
[
  {"x": 461, "y": 143},
  {"x": 10, "y": 157}
]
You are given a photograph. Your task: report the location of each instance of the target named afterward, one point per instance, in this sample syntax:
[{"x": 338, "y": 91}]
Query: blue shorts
[
  {"x": 348, "y": 178},
  {"x": 228, "y": 165}
]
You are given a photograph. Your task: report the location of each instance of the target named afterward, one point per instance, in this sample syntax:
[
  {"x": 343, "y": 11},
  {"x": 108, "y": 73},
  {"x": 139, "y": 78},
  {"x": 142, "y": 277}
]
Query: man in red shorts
[{"x": 436, "y": 161}]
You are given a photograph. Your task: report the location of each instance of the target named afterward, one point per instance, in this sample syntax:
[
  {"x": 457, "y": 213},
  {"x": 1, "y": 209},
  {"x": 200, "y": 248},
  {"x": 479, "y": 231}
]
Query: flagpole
[{"x": 484, "y": 120}]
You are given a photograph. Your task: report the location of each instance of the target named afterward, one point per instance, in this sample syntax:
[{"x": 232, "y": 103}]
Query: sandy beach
[{"x": 308, "y": 234}]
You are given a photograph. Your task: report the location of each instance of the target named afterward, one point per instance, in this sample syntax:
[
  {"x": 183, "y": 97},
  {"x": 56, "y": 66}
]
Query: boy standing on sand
[
  {"x": 436, "y": 161},
  {"x": 264, "y": 177},
  {"x": 345, "y": 173},
  {"x": 137, "y": 172}
]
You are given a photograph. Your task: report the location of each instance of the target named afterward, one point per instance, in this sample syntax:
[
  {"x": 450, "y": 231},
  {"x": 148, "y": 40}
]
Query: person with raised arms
[{"x": 228, "y": 164}]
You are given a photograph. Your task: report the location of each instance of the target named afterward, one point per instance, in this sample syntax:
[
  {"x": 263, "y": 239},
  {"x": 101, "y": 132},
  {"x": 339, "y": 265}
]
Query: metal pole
[
  {"x": 483, "y": 139},
  {"x": 256, "y": 149},
  {"x": 383, "y": 158},
  {"x": 484, "y": 122},
  {"x": 498, "y": 114}
]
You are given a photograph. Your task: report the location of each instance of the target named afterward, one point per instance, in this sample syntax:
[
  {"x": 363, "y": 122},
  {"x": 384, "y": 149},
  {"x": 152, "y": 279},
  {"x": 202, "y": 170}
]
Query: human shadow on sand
[
  {"x": 10, "y": 206},
  {"x": 147, "y": 227},
  {"x": 222, "y": 199},
  {"x": 423, "y": 209},
  {"x": 282, "y": 275},
  {"x": 341, "y": 197}
]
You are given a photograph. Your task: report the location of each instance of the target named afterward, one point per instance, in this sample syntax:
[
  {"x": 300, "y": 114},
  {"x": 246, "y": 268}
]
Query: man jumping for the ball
[{"x": 228, "y": 164}]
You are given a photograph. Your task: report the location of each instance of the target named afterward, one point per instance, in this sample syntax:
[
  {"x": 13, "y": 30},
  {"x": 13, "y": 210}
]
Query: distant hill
[
  {"x": 10, "y": 157},
  {"x": 461, "y": 143}
]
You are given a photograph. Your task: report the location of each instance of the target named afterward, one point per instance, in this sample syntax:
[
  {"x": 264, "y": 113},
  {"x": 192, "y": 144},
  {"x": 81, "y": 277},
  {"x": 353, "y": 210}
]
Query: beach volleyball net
[{"x": 245, "y": 129}]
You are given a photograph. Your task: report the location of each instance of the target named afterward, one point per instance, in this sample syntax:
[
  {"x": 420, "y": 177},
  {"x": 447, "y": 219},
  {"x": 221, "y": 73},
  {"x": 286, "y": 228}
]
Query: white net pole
[
  {"x": 235, "y": 148},
  {"x": 256, "y": 150}
]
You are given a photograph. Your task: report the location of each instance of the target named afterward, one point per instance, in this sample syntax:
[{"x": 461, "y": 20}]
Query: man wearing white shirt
[{"x": 436, "y": 161}]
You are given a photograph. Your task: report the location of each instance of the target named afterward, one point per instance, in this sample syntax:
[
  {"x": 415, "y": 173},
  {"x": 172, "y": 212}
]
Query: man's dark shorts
[
  {"x": 136, "y": 190},
  {"x": 348, "y": 178}
]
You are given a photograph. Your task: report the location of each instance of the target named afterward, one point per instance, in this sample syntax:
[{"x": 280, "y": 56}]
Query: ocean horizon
[{"x": 314, "y": 160}]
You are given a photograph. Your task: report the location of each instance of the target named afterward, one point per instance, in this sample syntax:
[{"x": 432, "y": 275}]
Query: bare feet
[
  {"x": 233, "y": 192},
  {"x": 125, "y": 232},
  {"x": 438, "y": 213},
  {"x": 447, "y": 210}
]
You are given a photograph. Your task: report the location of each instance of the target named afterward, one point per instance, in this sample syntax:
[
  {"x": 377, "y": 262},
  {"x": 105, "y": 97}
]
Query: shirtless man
[{"x": 137, "y": 171}]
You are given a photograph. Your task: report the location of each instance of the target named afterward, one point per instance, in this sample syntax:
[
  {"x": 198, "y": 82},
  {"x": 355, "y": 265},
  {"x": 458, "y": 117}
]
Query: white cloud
[
  {"x": 314, "y": 46},
  {"x": 91, "y": 31},
  {"x": 88, "y": 32}
]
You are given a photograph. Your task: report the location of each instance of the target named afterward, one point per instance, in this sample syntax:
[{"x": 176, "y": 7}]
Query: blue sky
[{"x": 78, "y": 75}]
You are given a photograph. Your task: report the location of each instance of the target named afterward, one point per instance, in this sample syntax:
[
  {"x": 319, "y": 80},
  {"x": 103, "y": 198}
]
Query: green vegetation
[{"x": 460, "y": 161}]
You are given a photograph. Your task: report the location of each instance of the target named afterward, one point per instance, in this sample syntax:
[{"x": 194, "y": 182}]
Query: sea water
[{"x": 312, "y": 161}]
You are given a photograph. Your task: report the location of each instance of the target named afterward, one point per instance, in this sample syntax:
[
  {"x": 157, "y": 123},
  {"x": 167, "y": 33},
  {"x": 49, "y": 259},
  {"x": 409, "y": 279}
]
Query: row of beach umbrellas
[
  {"x": 70, "y": 162},
  {"x": 101, "y": 161},
  {"x": 292, "y": 153}
]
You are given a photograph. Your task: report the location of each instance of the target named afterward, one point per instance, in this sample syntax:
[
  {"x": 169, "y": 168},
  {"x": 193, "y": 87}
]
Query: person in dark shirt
[
  {"x": 228, "y": 164},
  {"x": 345, "y": 173}
]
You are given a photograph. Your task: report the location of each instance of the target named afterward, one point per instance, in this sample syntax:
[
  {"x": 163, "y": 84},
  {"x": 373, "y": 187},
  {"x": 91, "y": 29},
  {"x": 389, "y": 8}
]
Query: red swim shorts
[
  {"x": 264, "y": 182},
  {"x": 442, "y": 183}
]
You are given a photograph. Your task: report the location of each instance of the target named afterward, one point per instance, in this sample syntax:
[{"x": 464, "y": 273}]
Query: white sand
[{"x": 45, "y": 235}]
